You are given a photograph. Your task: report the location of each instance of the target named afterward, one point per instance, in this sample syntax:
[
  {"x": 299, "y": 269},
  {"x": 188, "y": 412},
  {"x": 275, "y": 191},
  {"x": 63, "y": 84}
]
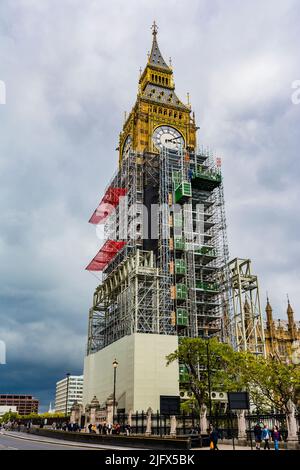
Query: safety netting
[
  {"x": 107, "y": 205},
  {"x": 105, "y": 255}
]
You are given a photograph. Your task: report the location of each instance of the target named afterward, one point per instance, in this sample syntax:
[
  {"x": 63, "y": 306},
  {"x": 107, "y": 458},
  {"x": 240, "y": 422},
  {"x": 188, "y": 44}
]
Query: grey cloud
[{"x": 71, "y": 70}]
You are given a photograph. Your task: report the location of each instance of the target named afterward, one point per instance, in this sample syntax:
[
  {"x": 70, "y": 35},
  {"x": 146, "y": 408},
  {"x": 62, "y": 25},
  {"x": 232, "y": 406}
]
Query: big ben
[
  {"x": 163, "y": 213},
  {"x": 158, "y": 116}
]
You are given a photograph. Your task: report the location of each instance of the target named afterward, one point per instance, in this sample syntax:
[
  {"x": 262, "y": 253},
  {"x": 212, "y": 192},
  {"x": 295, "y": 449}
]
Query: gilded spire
[
  {"x": 155, "y": 57},
  {"x": 269, "y": 311},
  {"x": 289, "y": 307},
  {"x": 290, "y": 311}
]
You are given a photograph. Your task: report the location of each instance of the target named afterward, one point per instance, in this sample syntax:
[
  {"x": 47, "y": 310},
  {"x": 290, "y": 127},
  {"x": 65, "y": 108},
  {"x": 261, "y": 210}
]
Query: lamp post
[
  {"x": 208, "y": 374},
  {"x": 115, "y": 365},
  {"x": 67, "y": 394}
]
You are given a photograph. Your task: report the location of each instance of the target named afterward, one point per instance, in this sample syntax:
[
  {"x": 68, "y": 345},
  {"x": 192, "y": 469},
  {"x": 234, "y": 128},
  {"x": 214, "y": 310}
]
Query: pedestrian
[
  {"x": 213, "y": 437},
  {"x": 117, "y": 429},
  {"x": 127, "y": 429},
  {"x": 265, "y": 435},
  {"x": 104, "y": 429},
  {"x": 109, "y": 428},
  {"x": 90, "y": 427},
  {"x": 99, "y": 427},
  {"x": 257, "y": 435},
  {"x": 276, "y": 437}
]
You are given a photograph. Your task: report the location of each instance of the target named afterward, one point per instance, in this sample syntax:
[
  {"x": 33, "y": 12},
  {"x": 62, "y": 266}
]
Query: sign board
[
  {"x": 238, "y": 401},
  {"x": 169, "y": 405}
]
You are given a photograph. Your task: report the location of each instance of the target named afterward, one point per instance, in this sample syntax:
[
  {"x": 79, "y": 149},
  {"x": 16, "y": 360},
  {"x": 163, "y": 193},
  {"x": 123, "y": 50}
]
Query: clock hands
[{"x": 174, "y": 138}]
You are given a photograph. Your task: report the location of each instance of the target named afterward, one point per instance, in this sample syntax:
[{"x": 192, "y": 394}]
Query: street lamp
[
  {"x": 67, "y": 394},
  {"x": 208, "y": 374},
  {"x": 115, "y": 365}
]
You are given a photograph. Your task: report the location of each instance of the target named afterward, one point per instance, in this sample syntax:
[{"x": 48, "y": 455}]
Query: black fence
[
  {"x": 189, "y": 424},
  {"x": 271, "y": 420}
]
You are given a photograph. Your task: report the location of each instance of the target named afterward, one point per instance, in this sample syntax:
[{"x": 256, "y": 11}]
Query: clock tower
[
  {"x": 165, "y": 229},
  {"x": 159, "y": 118}
]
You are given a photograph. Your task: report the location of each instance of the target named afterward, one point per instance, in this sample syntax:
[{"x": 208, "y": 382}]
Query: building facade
[
  {"x": 7, "y": 409},
  {"x": 68, "y": 391},
  {"x": 25, "y": 404},
  {"x": 165, "y": 246},
  {"x": 282, "y": 336}
]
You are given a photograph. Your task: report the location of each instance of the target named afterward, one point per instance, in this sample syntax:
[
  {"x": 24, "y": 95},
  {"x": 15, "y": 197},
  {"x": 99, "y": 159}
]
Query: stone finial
[{"x": 95, "y": 401}]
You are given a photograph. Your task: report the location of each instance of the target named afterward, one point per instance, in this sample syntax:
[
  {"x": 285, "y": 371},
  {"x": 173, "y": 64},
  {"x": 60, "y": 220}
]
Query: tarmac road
[
  {"x": 17, "y": 443},
  {"x": 23, "y": 441}
]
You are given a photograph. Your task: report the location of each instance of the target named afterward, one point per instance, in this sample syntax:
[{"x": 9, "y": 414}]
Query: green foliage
[
  {"x": 270, "y": 383},
  {"x": 31, "y": 417},
  {"x": 195, "y": 353},
  {"x": 9, "y": 416}
]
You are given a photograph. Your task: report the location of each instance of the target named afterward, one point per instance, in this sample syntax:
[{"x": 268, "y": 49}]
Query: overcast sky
[{"x": 71, "y": 69}]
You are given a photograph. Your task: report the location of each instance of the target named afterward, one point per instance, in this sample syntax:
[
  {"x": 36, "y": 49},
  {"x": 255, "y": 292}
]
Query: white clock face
[
  {"x": 127, "y": 147},
  {"x": 166, "y": 136}
]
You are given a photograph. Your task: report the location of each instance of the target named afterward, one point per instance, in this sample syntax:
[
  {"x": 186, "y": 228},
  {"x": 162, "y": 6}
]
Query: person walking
[
  {"x": 265, "y": 435},
  {"x": 99, "y": 428},
  {"x": 213, "y": 437},
  {"x": 104, "y": 428},
  {"x": 257, "y": 435},
  {"x": 127, "y": 429},
  {"x": 276, "y": 437}
]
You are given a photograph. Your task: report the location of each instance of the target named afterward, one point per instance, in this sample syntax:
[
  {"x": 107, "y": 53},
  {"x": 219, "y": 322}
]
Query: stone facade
[{"x": 282, "y": 337}]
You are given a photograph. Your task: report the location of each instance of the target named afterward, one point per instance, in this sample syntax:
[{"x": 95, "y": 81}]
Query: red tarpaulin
[
  {"x": 109, "y": 201},
  {"x": 105, "y": 255}
]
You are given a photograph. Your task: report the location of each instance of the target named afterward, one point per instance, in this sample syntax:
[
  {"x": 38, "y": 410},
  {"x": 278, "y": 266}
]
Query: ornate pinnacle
[{"x": 154, "y": 28}]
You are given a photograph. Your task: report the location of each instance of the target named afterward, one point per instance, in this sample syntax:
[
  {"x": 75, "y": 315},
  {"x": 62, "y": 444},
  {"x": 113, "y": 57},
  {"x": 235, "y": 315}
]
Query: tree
[
  {"x": 192, "y": 353},
  {"x": 9, "y": 416},
  {"x": 271, "y": 382}
]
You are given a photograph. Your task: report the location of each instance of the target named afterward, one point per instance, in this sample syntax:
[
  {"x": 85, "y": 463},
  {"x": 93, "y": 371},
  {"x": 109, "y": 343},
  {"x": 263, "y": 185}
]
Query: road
[
  {"x": 23, "y": 441},
  {"x": 18, "y": 442}
]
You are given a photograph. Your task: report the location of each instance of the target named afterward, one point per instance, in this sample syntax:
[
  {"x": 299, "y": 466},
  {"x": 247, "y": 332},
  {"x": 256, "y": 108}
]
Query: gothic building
[{"x": 282, "y": 336}]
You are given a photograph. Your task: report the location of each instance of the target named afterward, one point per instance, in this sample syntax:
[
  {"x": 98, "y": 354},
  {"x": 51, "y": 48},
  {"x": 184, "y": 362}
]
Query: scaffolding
[
  {"x": 168, "y": 275},
  {"x": 247, "y": 321}
]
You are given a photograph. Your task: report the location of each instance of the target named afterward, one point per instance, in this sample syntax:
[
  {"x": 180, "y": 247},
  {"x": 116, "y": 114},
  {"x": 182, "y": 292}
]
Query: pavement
[{"x": 225, "y": 447}]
